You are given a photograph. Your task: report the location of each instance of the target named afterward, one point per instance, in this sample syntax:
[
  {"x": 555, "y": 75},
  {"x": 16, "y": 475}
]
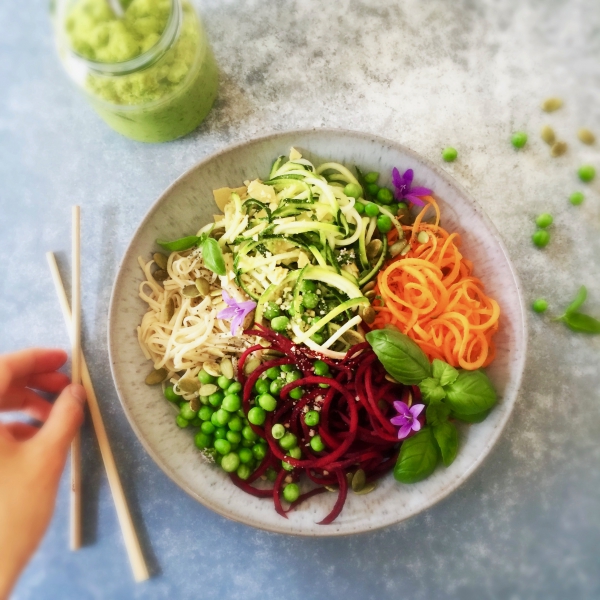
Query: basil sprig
[
  {"x": 577, "y": 321},
  {"x": 211, "y": 251},
  {"x": 418, "y": 457}
]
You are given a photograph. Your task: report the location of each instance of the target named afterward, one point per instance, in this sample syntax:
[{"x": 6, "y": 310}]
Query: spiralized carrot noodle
[{"x": 430, "y": 294}]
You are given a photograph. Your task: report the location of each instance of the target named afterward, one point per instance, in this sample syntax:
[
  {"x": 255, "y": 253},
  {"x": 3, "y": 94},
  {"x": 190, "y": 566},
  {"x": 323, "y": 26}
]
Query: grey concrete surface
[{"x": 425, "y": 73}]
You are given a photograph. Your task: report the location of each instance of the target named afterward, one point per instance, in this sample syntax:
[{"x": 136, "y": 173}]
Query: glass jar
[{"x": 150, "y": 74}]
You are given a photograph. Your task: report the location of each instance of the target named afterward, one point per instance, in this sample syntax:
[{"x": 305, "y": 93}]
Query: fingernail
[{"x": 78, "y": 392}]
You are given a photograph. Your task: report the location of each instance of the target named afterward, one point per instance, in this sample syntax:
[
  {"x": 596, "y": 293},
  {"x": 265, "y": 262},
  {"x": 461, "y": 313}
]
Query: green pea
[
  {"x": 267, "y": 402},
  {"x": 278, "y": 431},
  {"x": 384, "y": 223},
  {"x": 321, "y": 368},
  {"x": 576, "y": 198},
  {"x": 353, "y": 190},
  {"x": 385, "y": 196},
  {"x": 271, "y": 474},
  {"x": 360, "y": 208},
  {"x": 230, "y": 462},
  {"x": 181, "y": 422},
  {"x": 245, "y": 455},
  {"x": 449, "y": 154},
  {"x": 540, "y": 305},
  {"x": 276, "y": 386},
  {"x": 259, "y": 451},
  {"x": 289, "y": 440},
  {"x": 271, "y": 311},
  {"x": 262, "y": 386},
  {"x": 318, "y": 338},
  {"x": 218, "y": 458},
  {"x": 402, "y": 206},
  {"x": 541, "y": 238},
  {"x": 256, "y": 415},
  {"x": 316, "y": 443},
  {"x": 247, "y": 443},
  {"x": 223, "y": 446},
  {"x": 373, "y": 188},
  {"x": 208, "y": 428},
  {"x": 291, "y": 492},
  {"x": 371, "y": 177},
  {"x": 186, "y": 412},
  {"x": 204, "y": 377},
  {"x": 202, "y": 440},
  {"x": 235, "y": 437},
  {"x": 296, "y": 393},
  {"x": 235, "y": 423},
  {"x": 295, "y": 453},
  {"x": 544, "y": 220},
  {"x": 586, "y": 173},
  {"x": 311, "y": 418},
  {"x": 204, "y": 399},
  {"x": 371, "y": 210},
  {"x": 232, "y": 402},
  {"x": 196, "y": 422},
  {"x": 248, "y": 434},
  {"x": 286, "y": 466},
  {"x": 519, "y": 139},
  {"x": 243, "y": 472},
  {"x": 308, "y": 286},
  {"x": 216, "y": 399},
  {"x": 170, "y": 394},
  {"x": 280, "y": 323},
  {"x": 221, "y": 433},
  {"x": 310, "y": 299},
  {"x": 223, "y": 382},
  {"x": 293, "y": 376},
  {"x": 205, "y": 413},
  {"x": 222, "y": 417},
  {"x": 234, "y": 388},
  {"x": 273, "y": 372}
]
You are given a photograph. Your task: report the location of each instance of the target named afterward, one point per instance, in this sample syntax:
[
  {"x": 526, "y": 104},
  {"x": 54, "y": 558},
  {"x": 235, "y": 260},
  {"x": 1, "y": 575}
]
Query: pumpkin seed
[
  {"x": 548, "y": 135},
  {"x": 397, "y": 247},
  {"x": 227, "y": 368},
  {"x": 349, "y": 477},
  {"x": 586, "y": 136},
  {"x": 212, "y": 368},
  {"x": 156, "y": 376},
  {"x": 190, "y": 291},
  {"x": 331, "y": 488},
  {"x": 371, "y": 294},
  {"x": 390, "y": 378},
  {"x": 251, "y": 365},
  {"x": 358, "y": 480},
  {"x": 406, "y": 250},
  {"x": 203, "y": 286},
  {"x": 368, "y": 287},
  {"x": 207, "y": 389},
  {"x": 195, "y": 403},
  {"x": 169, "y": 309},
  {"x": 367, "y": 314},
  {"x": 551, "y": 104},
  {"x": 161, "y": 260},
  {"x": 374, "y": 248},
  {"x": 160, "y": 275},
  {"x": 249, "y": 320},
  {"x": 369, "y": 487},
  {"x": 558, "y": 149},
  {"x": 188, "y": 386}
]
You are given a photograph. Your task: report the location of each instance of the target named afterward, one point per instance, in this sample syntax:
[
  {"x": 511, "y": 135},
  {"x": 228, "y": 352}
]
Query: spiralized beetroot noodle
[{"x": 355, "y": 411}]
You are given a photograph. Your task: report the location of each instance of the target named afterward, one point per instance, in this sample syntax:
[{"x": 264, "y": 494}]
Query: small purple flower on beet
[
  {"x": 236, "y": 311},
  {"x": 404, "y": 189},
  {"x": 407, "y": 418}
]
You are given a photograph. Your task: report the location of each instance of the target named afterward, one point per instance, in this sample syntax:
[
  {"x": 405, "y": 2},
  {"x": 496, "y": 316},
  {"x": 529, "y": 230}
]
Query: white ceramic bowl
[{"x": 187, "y": 205}]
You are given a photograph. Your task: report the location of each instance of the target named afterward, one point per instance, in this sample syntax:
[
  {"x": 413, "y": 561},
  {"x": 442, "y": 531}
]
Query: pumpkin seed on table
[
  {"x": 586, "y": 136},
  {"x": 551, "y": 104},
  {"x": 548, "y": 135},
  {"x": 558, "y": 149},
  {"x": 156, "y": 376},
  {"x": 358, "y": 480},
  {"x": 161, "y": 260},
  {"x": 227, "y": 368},
  {"x": 160, "y": 275},
  {"x": 207, "y": 389},
  {"x": 190, "y": 291},
  {"x": 189, "y": 386},
  {"x": 369, "y": 487},
  {"x": 203, "y": 286},
  {"x": 212, "y": 368}
]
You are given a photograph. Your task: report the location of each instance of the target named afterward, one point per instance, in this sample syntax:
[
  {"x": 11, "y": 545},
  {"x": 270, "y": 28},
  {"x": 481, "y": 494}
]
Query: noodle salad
[{"x": 320, "y": 333}]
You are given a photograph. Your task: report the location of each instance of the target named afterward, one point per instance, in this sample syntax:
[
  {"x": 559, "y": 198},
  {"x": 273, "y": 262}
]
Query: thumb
[{"x": 65, "y": 418}]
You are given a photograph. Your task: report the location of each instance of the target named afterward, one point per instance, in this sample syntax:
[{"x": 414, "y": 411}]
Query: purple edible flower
[
  {"x": 236, "y": 311},
  {"x": 404, "y": 189},
  {"x": 406, "y": 418}
]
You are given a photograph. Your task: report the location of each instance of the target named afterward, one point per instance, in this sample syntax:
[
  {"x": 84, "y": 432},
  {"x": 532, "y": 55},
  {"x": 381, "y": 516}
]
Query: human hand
[{"x": 31, "y": 458}]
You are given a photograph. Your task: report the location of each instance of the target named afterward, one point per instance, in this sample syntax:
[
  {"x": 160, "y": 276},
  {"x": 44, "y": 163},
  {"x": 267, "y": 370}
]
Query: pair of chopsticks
[{"x": 81, "y": 374}]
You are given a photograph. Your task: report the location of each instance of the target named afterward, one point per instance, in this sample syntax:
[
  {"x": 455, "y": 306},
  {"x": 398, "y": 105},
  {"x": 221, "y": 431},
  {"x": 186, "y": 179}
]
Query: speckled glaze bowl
[{"x": 184, "y": 208}]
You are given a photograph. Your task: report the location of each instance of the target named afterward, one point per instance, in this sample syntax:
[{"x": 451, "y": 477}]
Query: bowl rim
[{"x": 439, "y": 171}]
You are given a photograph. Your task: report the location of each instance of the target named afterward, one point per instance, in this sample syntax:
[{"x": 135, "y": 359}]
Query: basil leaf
[
  {"x": 437, "y": 412},
  {"x": 471, "y": 393},
  {"x": 581, "y": 323},
  {"x": 444, "y": 372},
  {"x": 431, "y": 390},
  {"x": 401, "y": 357},
  {"x": 579, "y": 300},
  {"x": 446, "y": 436},
  {"x": 418, "y": 457},
  {"x": 476, "y": 418},
  {"x": 213, "y": 256},
  {"x": 181, "y": 244}
]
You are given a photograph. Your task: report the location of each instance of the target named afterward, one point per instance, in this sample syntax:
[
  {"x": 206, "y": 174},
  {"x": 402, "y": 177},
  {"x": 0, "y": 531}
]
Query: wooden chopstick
[
  {"x": 75, "y": 530},
  {"x": 132, "y": 544}
]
